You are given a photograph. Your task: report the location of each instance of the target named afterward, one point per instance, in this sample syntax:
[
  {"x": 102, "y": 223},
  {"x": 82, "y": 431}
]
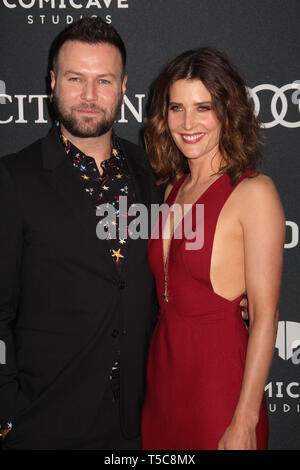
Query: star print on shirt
[
  {"x": 106, "y": 187},
  {"x": 115, "y": 173},
  {"x": 117, "y": 254}
]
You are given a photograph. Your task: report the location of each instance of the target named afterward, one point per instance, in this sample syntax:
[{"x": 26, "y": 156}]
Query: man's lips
[
  {"x": 90, "y": 112},
  {"x": 192, "y": 138}
]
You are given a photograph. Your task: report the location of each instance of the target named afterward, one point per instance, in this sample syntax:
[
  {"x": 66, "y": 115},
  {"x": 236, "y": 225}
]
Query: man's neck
[{"x": 97, "y": 147}]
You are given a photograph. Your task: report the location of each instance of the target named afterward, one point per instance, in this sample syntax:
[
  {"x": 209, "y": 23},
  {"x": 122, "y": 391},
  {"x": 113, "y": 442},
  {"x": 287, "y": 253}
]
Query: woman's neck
[{"x": 204, "y": 169}]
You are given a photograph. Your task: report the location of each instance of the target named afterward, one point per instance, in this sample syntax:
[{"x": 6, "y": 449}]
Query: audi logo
[{"x": 279, "y": 94}]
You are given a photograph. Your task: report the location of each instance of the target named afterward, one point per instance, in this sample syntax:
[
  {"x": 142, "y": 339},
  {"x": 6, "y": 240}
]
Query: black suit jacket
[{"x": 61, "y": 297}]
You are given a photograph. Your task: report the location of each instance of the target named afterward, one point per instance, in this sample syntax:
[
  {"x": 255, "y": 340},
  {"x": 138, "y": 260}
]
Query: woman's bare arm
[{"x": 263, "y": 223}]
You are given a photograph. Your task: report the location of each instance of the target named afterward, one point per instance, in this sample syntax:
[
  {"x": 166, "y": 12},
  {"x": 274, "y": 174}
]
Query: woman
[{"x": 206, "y": 373}]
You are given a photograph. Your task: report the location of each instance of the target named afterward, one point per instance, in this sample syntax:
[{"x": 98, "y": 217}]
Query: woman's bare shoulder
[
  {"x": 257, "y": 187},
  {"x": 259, "y": 181},
  {"x": 257, "y": 197}
]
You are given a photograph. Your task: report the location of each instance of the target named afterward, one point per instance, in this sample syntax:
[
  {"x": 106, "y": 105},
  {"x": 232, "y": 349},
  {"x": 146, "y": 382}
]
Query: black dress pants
[{"x": 104, "y": 434}]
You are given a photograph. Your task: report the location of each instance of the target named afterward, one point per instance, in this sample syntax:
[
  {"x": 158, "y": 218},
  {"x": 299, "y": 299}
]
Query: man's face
[{"x": 87, "y": 87}]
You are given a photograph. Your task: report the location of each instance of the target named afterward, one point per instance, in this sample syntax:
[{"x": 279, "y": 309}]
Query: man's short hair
[{"x": 89, "y": 30}]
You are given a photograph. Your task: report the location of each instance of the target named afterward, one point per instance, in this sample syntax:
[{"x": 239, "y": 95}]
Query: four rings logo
[
  {"x": 279, "y": 94},
  {"x": 288, "y": 341}
]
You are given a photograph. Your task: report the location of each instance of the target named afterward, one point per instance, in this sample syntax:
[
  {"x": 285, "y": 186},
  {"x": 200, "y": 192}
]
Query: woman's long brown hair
[{"x": 240, "y": 138}]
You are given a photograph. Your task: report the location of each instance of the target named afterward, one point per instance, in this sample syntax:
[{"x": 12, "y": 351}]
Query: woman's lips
[{"x": 192, "y": 138}]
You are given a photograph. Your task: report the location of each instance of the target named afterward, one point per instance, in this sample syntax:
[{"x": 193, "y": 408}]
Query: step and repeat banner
[{"x": 261, "y": 37}]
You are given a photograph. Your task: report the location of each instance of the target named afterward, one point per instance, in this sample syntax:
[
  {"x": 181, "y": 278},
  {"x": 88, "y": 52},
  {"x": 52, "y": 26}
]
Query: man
[{"x": 76, "y": 311}]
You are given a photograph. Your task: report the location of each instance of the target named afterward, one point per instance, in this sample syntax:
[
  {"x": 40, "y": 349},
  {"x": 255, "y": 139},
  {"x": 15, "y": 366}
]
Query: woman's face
[{"x": 192, "y": 122}]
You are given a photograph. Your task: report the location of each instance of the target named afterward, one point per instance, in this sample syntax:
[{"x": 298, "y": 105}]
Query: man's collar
[
  {"x": 71, "y": 149},
  {"x": 53, "y": 152}
]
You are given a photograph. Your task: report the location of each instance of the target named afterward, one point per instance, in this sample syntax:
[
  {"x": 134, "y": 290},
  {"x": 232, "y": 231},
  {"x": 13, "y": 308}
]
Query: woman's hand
[{"x": 238, "y": 436}]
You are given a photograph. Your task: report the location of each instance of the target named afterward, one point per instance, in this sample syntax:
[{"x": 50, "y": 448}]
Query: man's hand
[
  {"x": 244, "y": 308},
  {"x": 5, "y": 432}
]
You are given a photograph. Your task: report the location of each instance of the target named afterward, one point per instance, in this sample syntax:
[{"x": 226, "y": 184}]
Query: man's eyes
[{"x": 101, "y": 81}]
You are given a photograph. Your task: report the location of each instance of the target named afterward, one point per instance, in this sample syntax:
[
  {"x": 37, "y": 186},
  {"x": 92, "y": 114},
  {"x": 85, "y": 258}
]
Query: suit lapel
[
  {"x": 65, "y": 182},
  {"x": 138, "y": 171},
  {"x": 140, "y": 179}
]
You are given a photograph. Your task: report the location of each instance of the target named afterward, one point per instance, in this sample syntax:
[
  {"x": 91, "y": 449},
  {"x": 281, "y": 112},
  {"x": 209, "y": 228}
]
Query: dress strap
[{"x": 173, "y": 193}]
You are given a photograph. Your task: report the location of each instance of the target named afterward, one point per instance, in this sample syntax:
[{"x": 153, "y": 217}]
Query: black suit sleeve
[{"x": 11, "y": 398}]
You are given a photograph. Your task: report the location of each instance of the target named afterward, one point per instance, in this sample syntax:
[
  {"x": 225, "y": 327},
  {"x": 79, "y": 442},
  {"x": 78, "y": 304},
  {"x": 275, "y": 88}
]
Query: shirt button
[{"x": 115, "y": 333}]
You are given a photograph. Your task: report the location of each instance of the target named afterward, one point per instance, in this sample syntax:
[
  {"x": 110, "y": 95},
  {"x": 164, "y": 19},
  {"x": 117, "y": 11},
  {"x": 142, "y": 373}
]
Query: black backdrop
[{"x": 260, "y": 36}]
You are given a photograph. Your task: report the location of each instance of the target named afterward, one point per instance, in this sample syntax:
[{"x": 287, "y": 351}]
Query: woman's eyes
[
  {"x": 177, "y": 107},
  {"x": 204, "y": 108}
]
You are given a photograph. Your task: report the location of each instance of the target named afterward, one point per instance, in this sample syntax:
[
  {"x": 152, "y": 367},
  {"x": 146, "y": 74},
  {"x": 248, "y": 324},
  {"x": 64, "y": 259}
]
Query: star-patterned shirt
[
  {"x": 114, "y": 182},
  {"x": 107, "y": 188}
]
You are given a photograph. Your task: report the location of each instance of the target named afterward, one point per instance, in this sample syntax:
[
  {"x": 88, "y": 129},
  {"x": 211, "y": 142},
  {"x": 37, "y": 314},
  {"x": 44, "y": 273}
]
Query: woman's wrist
[{"x": 245, "y": 418}]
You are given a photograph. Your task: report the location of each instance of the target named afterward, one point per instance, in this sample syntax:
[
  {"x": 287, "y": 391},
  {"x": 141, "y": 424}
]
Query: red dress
[{"x": 198, "y": 349}]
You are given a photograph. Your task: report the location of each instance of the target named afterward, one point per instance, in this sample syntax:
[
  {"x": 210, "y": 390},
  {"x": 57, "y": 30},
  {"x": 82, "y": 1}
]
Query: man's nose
[{"x": 89, "y": 92}]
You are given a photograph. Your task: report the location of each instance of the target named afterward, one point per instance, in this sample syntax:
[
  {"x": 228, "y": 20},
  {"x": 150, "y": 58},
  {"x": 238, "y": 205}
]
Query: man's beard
[{"x": 86, "y": 126}]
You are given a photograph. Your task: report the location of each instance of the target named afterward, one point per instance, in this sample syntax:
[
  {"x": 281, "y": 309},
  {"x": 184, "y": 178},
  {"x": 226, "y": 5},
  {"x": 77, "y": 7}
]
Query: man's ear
[
  {"x": 124, "y": 85},
  {"x": 52, "y": 77}
]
